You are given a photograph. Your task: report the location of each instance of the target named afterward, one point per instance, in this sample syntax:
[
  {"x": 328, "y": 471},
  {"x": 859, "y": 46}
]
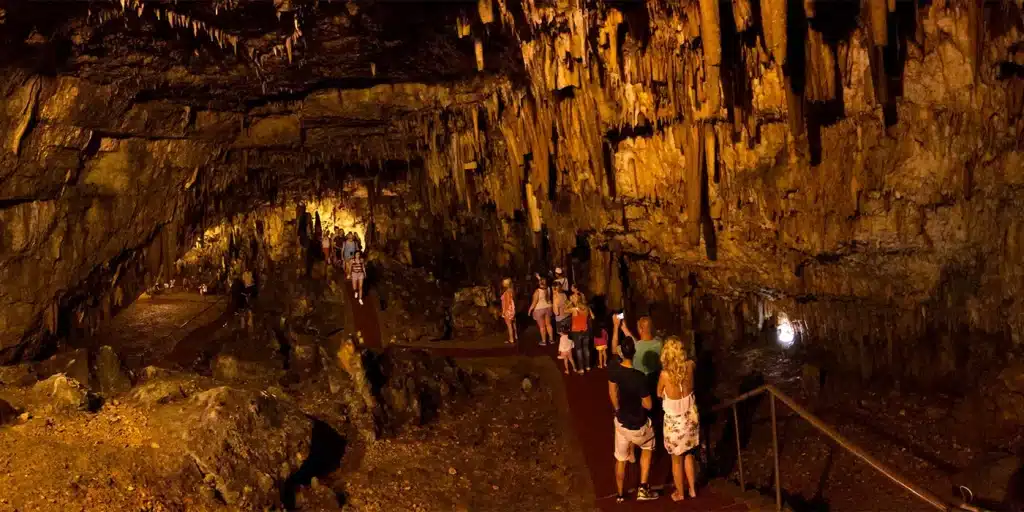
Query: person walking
[
  {"x": 508, "y": 310},
  {"x": 682, "y": 423},
  {"x": 349, "y": 251},
  {"x": 580, "y": 323},
  {"x": 560, "y": 307},
  {"x": 540, "y": 310},
  {"x": 631, "y": 399},
  {"x": 358, "y": 268}
]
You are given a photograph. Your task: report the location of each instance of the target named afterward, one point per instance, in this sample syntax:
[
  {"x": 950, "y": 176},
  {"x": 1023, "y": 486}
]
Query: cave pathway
[{"x": 591, "y": 417}]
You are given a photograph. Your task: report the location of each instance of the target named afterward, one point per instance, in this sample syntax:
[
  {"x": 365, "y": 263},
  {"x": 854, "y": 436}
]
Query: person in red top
[
  {"x": 580, "y": 332},
  {"x": 508, "y": 310}
]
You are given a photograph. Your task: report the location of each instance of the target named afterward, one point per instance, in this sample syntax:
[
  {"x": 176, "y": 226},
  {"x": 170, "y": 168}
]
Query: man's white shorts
[{"x": 625, "y": 439}]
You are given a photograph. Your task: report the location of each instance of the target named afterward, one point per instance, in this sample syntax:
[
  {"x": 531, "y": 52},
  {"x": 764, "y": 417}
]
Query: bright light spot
[{"x": 786, "y": 333}]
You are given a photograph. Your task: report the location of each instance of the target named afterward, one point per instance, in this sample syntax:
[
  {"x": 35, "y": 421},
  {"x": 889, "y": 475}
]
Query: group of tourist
[
  {"x": 339, "y": 247},
  {"x": 645, "y": 375}
]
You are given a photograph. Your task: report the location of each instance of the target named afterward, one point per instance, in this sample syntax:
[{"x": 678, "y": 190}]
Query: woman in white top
[
  {"x": 682, "y": 425},
  {"x": 540, "y": 310}
]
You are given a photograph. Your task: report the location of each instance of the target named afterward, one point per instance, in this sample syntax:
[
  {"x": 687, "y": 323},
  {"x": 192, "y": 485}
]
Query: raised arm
[
  {"x": 615, "y": 334},
  {"x": 613, "y": 395}
]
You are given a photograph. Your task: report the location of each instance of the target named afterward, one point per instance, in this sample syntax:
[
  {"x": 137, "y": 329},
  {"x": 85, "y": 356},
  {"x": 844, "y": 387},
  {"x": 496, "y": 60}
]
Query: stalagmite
[
  {"x": 711, "y": 40},
  {"x": 773, "y": 24},
  {"x": 373, "y": 69},
  {"x": 288, "y": 47}
]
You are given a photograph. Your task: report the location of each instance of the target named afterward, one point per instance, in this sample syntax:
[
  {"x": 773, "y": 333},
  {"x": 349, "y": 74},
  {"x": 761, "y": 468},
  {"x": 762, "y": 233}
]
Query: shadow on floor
[{"x": 325, "y": 453}]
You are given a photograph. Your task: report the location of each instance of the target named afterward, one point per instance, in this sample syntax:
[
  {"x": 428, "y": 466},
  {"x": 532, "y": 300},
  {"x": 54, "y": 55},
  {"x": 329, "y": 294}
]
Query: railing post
[
  {"x": 739, "y": 456},
  {"x": 775, "y": 453}
]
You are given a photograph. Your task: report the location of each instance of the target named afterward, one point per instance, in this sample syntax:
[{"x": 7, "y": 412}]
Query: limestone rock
[
  {"x": 248, "y": 442},
  {"x": 109, "y": 375},
  {"x": 59, "y": 392}
]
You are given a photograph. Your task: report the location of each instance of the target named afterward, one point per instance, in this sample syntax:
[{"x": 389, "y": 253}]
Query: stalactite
[
  {"x": 878, "y": 14},
  {"x": 478, "y": 49},
  {"x": 711, "y": 41},
  {"x": 976, "y": 34},
  {"x": 773, "y": 26},
  {"x": 820, "y": 77},
  {"x": 693, "y": 182},
  {"x": 486, "y": 10},
  {"x": 743, "y": 15}
]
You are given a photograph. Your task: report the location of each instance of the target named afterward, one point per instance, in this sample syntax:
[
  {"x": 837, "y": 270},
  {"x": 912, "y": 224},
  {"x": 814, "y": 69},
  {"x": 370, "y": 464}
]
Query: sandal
[{"x": 678, "y": 496}]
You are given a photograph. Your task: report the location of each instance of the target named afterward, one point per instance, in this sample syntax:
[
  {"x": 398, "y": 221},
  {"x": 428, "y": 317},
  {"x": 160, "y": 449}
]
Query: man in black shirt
[{"x": 631, "y": 398}]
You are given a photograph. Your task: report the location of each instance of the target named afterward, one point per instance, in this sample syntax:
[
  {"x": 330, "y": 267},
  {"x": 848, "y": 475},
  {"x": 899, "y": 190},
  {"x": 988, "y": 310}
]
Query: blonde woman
[
  {"x": 508, "y": 309},
  {"x": 682, "y": 428}
]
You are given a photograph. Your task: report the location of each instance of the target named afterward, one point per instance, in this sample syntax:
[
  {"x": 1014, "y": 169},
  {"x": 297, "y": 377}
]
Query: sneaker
[
  {"x": 356, "y": 295},
  {"x": 360, "y": 302},
  {"x": 646, "y": 494}
]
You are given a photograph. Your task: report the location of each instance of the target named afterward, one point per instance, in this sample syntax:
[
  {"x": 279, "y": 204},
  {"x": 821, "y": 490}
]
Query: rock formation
[{"x": 853, "y": 166}]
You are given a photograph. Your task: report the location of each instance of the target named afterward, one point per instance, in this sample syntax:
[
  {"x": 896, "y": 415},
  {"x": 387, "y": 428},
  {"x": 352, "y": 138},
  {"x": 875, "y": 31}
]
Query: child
[
  {"x": 601, "y": 344},
  {"x": 565, "y": 351}
]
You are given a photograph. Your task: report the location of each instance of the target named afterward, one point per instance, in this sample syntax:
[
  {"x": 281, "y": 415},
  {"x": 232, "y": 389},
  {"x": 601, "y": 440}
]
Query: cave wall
[
  {"x": 857, "y": 167},
  {"x": 861, "y": 178}
]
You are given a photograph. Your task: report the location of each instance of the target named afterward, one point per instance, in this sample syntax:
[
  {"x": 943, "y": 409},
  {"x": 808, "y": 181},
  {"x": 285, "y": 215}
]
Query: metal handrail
[{"x": 817, "y": 423}]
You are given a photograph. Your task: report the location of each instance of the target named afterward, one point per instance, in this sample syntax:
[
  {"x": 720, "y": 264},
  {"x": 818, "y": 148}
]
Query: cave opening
[{"x": 306, "y": 255}]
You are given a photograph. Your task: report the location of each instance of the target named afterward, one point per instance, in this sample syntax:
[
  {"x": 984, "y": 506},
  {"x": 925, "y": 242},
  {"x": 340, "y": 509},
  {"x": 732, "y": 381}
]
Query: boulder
[
  {"x": 160, "y": 386},
  {"x": 61, "y": 392},
  {"x": 248, "y": 443},
  {"x": 417, "y": 384},
  {"x": 109, "y": 375}
]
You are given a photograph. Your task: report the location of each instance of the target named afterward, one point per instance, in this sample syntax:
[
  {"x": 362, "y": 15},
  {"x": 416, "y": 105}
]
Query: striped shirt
[{"x": 358, "y": 267}]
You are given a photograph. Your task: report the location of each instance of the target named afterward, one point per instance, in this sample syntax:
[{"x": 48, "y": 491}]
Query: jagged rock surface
[{"x": 860, "y": 177}]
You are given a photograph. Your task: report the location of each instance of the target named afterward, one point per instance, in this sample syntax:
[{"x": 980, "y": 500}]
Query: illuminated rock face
[{"x": 856, "y": 167}]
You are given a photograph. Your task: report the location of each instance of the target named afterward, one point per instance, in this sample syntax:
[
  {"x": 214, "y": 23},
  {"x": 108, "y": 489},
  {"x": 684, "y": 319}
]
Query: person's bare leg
[
  {"x": 511, "y": 331},
  {"x": 547, "y": 327},
  {"x": 565, "y": 360},
  {"x": 645, "y": 465},
  {"x": 355, "y": 287},
  {"x": 691, "y": 474},
  {"x": 677, "y": 477},
  {"x": 543, "y": 335},
  {"x": 571, "y": 362},
  {"x": 620, "y": 475}
]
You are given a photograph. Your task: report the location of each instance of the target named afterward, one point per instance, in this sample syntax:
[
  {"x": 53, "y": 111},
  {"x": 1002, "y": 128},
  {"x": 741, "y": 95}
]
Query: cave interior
[{"x": 834, "y": 187}]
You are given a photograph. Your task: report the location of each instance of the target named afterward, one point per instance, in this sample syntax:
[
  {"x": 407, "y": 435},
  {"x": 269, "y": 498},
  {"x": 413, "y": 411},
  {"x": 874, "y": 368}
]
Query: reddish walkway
[{"x": 591, "y": 415}]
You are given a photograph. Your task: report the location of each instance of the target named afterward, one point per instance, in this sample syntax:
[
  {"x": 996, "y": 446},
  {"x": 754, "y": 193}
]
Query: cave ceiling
[
  {"x": 237, "y": 54},
  {"x": 859, "y": 157}
]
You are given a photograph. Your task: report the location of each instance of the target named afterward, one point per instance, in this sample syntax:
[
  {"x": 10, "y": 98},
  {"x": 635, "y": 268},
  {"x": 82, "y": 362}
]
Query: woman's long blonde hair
[{"x": 675, "y": 360}]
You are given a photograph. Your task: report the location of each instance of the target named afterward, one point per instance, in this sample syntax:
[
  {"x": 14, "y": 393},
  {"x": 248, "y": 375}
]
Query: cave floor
[{"x": 908, "y": 431}]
